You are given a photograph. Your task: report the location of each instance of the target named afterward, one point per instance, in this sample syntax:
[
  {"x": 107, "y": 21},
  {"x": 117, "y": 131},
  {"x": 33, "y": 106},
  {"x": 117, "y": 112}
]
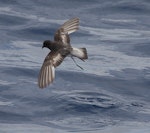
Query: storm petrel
[{"x": 60, "y": 48}]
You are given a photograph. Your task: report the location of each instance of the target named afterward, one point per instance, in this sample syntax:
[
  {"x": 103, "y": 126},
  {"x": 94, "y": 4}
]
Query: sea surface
[{"x": 111, "y": 94}]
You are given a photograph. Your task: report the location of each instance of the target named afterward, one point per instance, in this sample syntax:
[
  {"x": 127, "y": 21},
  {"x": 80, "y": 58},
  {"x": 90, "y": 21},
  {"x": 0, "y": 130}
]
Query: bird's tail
[{"x": 81, "y": 53}]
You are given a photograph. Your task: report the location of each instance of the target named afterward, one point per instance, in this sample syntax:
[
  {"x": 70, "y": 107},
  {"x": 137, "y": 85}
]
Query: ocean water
[{"x": 111, "y": 94}]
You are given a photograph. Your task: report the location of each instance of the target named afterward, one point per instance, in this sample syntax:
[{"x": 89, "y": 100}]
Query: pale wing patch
[
  {"x": 57, "y": 60},
  {"x": 53, "y": 72},
  {"x": 64, "y": 38}
]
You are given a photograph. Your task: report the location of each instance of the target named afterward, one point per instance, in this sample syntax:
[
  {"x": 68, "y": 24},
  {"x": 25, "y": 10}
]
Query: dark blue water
[{"x": 111, "y": 94}]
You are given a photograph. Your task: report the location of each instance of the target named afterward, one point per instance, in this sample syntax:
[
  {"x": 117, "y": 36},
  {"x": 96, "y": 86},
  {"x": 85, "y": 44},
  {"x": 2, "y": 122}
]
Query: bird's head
[{"x": 47, "y": 44}]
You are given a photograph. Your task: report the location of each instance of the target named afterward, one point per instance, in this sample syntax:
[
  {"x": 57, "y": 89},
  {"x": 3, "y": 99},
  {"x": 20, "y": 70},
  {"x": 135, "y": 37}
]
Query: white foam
[
  {"x": 5, "y": 103},
  {"x": 27, "y": 55},
  {"x": 115, "y": 34},
  {"x": 27, "y": 128},
  {"x": 3, "y": 82},
  {"x": 115, "y": 60},
  {"x": 119, "y": 20},
  {"x": 126, "y": 127},
  {"x": 5, "y": 9},
  {"x": 11, "y": 12}
]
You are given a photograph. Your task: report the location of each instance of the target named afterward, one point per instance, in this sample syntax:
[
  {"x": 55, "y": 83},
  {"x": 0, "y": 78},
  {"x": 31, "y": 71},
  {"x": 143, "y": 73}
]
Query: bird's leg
[{"x": 76, "y": 63}]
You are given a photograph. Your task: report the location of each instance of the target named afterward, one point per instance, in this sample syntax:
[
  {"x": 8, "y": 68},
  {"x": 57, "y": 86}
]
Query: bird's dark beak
[{"x": 42, "y": 47}]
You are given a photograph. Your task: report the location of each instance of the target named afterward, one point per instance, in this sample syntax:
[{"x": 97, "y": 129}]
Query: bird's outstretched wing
[
  {"x": 47, "y": 72},
  {"x": 62, "y": 34}
]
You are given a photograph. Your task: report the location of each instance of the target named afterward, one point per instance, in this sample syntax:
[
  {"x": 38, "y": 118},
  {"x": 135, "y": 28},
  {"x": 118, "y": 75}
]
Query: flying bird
[{"x": 59, "y": 49}]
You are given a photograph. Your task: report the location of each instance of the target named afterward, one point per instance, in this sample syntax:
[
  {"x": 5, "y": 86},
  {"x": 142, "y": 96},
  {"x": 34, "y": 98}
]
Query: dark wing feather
[
  {"x": 47, "y": 72},
  {"x": 62, "y": 34}
]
